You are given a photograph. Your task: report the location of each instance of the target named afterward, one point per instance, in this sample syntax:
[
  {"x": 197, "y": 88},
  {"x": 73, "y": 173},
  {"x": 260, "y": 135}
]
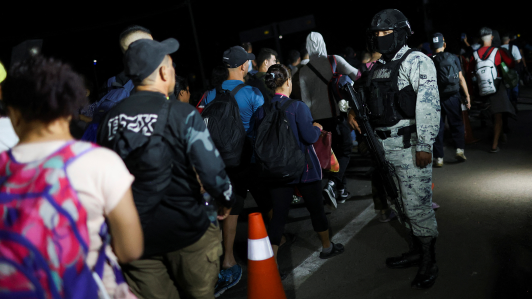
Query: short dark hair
[
  {"x": 276, "y": 76},
  {"x": 247, "y": 46},
  {"x": 264, "y": 54},
  {"x": 180, "y": 84},
  {"x": 43, "y": 89},
  {"x": 293, "y": 56},
  {"x": 219, "y": 74}
]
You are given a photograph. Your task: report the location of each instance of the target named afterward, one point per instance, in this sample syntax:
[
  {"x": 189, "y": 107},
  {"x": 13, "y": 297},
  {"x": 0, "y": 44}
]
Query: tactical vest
[{"x": 387, "y": 104}]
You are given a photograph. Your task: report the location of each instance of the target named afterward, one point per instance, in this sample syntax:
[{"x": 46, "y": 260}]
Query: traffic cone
[
  {"x": 263, "y": 276},
  {"x": 469, "y": 138}
]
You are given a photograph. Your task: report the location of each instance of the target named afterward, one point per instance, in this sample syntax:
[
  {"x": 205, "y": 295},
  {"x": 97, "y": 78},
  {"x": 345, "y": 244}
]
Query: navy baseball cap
[
  {"x": 437, "y": 40},
  {"x": 144, "y": 56},
  {"x": 236, "y": 56}
]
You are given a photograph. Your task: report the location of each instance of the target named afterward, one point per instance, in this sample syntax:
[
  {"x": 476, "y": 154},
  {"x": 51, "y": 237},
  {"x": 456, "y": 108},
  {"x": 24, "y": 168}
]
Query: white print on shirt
[{"x": 138, "y": 123}]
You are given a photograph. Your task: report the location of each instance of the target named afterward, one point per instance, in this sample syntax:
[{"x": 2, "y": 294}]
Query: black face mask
[
  {"x": 384, "y": 44},
  {"x": 388, "y": 47}
]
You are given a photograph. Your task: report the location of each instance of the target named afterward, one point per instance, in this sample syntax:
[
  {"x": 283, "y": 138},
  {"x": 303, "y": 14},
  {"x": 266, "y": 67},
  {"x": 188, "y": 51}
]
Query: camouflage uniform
[{"x": 414, "y": 182}]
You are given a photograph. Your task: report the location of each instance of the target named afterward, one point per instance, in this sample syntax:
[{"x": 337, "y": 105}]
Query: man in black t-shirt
[
  {"x": 450, "y": 105},
  {"x": 164, "y": 144}
]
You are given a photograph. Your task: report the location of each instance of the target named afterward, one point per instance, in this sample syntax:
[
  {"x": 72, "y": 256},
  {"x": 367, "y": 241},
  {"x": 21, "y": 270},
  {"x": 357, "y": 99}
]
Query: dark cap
[
  {"x": 144, "y": 56},
  {"x": 437, "y": 40},
  {"x": 236, "y": 56}
]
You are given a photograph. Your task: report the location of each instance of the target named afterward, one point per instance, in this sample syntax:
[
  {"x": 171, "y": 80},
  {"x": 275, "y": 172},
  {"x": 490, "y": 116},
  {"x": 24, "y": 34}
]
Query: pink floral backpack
[{"x": 44, "y": 238}]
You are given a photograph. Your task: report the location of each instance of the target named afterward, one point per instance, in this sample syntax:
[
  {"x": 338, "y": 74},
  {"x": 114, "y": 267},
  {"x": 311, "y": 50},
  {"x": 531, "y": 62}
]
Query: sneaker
[
  {"x": 345, "y": 195},
  {"x": 336, "y": 250},
  {"x": 460, "y": 156},
  {"x": 330, "y": 193},
  {"x": 227, "y": 278},
  {"x": 438, "y": 162},
  {"x": 386, "y": 217},
  {"x": 496, "y": 150}
]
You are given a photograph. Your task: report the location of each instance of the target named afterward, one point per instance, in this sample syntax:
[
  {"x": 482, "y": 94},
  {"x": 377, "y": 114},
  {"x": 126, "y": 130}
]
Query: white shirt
[
  {"x": 515, "y": 51},
  {"x": 8, "y": 137}
]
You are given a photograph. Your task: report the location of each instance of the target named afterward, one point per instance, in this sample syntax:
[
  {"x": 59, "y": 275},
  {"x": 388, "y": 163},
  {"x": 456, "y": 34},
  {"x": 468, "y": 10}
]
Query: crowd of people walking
[{"x": 138, "y": 194}]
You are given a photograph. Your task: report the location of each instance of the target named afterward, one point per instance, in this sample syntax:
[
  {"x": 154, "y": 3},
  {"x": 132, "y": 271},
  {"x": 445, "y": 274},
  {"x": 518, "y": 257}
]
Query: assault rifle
[{"x": 384, "y": 168}]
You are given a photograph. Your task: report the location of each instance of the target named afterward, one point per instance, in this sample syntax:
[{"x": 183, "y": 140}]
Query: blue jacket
[{"x": 300, "y": 119}]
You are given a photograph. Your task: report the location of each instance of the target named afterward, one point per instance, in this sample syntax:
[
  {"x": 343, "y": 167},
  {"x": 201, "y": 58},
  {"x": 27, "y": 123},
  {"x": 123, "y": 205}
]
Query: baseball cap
[
  {"x": 236, "y": 56},
  {"x": 437, "y": 40},
  {"x": 144, "y": 56}
]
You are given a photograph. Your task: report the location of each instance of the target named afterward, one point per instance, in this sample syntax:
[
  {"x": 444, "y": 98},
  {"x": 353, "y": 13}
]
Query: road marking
[{"x": 309, "y": 266}]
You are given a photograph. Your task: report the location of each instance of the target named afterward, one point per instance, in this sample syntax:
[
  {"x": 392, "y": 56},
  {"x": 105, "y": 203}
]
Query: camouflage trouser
[{"x": 415, "y": 185}]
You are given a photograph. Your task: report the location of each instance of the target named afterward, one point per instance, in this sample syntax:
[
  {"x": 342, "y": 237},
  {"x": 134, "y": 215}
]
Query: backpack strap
[
  {"x": 332, "y": 62},
  {"x": 485, "y": 56},
  {"x": 236, "y": 90},
  {"x": 493, "y": 54},
  {"x": 202, "y": 98},
  {"x": 475, "y": 55},
  {"x": 318, "y": 73}
]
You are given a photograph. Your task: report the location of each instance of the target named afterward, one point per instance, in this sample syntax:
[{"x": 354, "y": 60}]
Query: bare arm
[
  {"x": 463, "y": 84},
  {"x": 127, "y": 238},
  {"x": 465, "y": 41}
]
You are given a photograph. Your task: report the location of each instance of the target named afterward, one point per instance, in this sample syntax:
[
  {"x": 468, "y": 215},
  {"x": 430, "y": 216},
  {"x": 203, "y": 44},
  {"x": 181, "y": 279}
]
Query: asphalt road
[{"x": 485, "y": 221}]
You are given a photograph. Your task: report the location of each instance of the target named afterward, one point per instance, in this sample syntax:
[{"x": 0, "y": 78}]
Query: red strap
[
  {"x": 332, "y": 63},
  {"x": 201, "y": 100}
]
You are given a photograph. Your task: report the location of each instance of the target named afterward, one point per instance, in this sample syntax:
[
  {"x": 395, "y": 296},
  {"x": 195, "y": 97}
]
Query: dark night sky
[{"x": 87, "y": 32}]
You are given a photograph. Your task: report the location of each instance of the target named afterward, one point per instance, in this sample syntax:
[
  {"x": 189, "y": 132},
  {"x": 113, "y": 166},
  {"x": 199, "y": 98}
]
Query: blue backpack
[
  {"x": 334, "y": 86},
  {"x": 116, "y": 94}
]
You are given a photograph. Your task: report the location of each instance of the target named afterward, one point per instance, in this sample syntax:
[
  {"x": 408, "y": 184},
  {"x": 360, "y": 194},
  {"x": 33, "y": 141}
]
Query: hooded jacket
[{"x": 313, "y": 89}]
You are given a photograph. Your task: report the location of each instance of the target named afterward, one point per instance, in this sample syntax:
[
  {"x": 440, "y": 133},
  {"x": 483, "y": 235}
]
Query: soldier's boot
[
  {"x": 408, "y": 259},
  {"x": 428, "y": 270}
]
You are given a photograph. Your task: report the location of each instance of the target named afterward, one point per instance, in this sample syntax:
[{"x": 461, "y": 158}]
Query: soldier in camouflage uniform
[{"x": 404, "y": 107}]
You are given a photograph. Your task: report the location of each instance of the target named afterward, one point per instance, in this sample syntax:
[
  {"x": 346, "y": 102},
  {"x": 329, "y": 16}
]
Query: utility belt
[{"x": 406, "y": 132}]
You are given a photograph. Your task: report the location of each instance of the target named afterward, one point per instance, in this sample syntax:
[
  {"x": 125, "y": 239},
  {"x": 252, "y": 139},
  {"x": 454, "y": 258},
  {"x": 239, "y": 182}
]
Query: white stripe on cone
[{"x": 259, "y": 250}]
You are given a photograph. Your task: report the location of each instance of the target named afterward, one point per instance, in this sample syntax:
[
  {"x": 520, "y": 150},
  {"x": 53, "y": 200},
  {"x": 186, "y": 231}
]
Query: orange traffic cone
[
  {"x": 263, "y": 276},
  {"x": 469, "y": 138}
]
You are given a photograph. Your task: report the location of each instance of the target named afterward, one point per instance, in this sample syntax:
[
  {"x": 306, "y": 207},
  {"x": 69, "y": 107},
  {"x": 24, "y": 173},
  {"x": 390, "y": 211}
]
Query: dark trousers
[
  {"x": 450, "y": 108},
  {"x": 341, "y": 146},
  {"x": 378, "y": 192},
  {"x": 245, "y": 178},
  {"x": 282, "y": 198}
]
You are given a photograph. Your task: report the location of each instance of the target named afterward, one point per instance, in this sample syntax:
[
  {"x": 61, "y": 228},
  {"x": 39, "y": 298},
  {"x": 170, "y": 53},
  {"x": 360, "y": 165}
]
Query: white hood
[{"x": 316, "y": 45}]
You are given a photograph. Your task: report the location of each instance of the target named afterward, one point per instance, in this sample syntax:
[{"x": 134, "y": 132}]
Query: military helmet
[{"x": 389, "y": 19}]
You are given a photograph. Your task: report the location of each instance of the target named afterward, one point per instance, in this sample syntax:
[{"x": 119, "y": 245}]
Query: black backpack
[
  {"x": 448, "y": 73},
  {"x": 277, "y": 152},
  {"x": 222, "y": 118}
]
